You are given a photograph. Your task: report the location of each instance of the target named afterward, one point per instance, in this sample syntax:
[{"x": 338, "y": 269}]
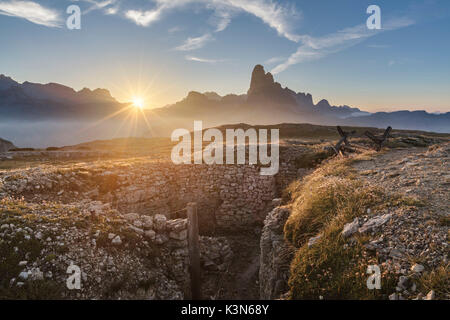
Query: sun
[{"x": 138, "y": 103}]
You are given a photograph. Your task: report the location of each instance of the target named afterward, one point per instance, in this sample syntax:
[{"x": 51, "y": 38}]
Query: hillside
[
  {"x": 389, "y": 209},
  {"x": 124, "y": 211}
]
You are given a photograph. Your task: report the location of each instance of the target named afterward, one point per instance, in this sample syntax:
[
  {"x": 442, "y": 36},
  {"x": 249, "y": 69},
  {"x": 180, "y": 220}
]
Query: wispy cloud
[
  {"x": 31, "y": 11},
  {"x": 105, "y": 5},
  {"x": 142, "y": 18},
  {"x": 313, "y": 48},
  {"x": 202, "y": 60},
  {"x": 279, "y": 17},
  {"x": 112, "y": 10},
  {"x": 175, "y": 29},
  {"x": 275, "y": 60},
  {"x": 195, "y": 43},
  {"x": 221, "y": 19}
]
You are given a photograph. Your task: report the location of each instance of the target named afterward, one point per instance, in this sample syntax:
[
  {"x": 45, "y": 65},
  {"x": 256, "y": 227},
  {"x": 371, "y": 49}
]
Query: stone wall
[
  {"x": 276, "y": 255},
  {"x": 171, "y": 237},
  {"x": 228, "y": 196}
]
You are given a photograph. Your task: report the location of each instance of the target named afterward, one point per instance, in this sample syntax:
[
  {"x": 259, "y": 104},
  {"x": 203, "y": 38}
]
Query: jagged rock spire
[{"x": 264, "y": 89}]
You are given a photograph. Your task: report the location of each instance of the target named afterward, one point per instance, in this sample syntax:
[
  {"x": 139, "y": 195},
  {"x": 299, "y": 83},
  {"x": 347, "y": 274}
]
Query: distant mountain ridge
[
  {"x": 6, "y": 145},
  {"x": 35, "y": 101},
  {"x": 266, "y": 103}
]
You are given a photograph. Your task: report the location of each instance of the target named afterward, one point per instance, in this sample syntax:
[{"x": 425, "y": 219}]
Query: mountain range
[
  {"x": 266, "y": 102},
  {"x": 36, "y": 101},
  {"x": 5, "y": 145}
]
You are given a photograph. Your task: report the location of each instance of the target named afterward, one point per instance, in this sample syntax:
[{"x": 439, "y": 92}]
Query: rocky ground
[
  {"x": 400, "y": 223},
  {"x": 120, "y": 256},
  {"x": 411, "y": 240},
  {"x": 53, "y": 217}
]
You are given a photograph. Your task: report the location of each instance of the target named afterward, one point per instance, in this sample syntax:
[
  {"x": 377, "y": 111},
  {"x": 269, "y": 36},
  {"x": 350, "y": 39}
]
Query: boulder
[
  {"x": 417, "y": 268},
  {"x": 375, "y": 223},
  {"x": 131, "y": 217},
  {"x": 116, "y": 241},
  {"x": 150, "y": 234},
  {"x": 312, "y": 241},
  {"x": 159, "y": 221},
  {"x": 350, "y": 228}
]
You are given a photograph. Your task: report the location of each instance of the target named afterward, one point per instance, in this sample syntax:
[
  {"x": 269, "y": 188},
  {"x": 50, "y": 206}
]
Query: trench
[
  {"x": 240, "y": 281},
  {"x": 233, "y": 202}
]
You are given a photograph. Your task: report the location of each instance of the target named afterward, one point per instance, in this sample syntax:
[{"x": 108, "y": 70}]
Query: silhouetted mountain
[
  {"x": 6, "y": 145},
  {"x": 52, "y": 100},
  {"x": 264, "y": 90},
  {"x": 266, "y": 103},
  {"x": 6, "y": 82},
  {"x": 411, "y": 120}
]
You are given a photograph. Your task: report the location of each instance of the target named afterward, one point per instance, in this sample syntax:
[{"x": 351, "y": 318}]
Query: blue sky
[{"x": 161, "y": 49}]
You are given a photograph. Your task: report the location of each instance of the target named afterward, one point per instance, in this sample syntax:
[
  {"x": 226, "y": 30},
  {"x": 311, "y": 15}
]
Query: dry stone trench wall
[{"x": 228, "y": 196}]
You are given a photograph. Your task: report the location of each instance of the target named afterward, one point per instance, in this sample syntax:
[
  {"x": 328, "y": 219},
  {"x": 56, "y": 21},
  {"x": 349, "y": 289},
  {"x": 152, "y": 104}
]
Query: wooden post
[
  {"x": 194, "y": 251},
  {"x": 379, "y": 140}
]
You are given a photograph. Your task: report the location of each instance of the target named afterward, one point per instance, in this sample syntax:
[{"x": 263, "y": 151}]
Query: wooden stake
[{"x": 194, "y": 251}]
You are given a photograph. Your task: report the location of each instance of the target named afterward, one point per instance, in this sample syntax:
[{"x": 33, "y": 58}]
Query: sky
[{"x": 162, "y": 49}]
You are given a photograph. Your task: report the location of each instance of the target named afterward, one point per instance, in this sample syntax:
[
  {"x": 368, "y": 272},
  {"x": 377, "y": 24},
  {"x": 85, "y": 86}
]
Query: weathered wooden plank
[{"x": 194, "y": 252}]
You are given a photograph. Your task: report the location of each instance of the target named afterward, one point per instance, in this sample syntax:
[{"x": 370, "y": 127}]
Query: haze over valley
[{"x": 42, "y": 115}]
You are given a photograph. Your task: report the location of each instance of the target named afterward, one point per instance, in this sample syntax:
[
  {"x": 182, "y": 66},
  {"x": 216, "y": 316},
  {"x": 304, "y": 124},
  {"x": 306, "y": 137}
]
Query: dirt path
[{"x": 240, "y": 281}]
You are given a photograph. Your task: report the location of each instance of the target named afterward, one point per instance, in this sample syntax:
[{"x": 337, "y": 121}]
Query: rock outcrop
[
  {"x": 276, "y": 255},
  {"x": 264, "y": 89},
  {"x": 5, "y": 145}
]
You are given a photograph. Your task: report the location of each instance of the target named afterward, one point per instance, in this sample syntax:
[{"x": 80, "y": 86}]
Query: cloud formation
[
  {"x": 143, "y": 18},
  {"x": 277, "y": 16},
  {"x": 105, "y": 5},
  {"x": 195, "y": 43},
  {"x": 313, "y": 48},
  {"x": 32, "y": 12},
  {"x": 202, "y": 60}
]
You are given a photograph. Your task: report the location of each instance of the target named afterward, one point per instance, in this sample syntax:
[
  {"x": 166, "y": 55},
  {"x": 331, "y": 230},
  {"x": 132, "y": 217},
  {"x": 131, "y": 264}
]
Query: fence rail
[{"x": 345, "y": 145}]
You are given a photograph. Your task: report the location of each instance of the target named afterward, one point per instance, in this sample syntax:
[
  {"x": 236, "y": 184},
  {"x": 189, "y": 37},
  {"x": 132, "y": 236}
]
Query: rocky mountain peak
[
  {"x": 323, "y": 104},
  {"x": 263, "y": 89},
  {"x": 260, "y": 80},
  {"x": 6, "y": 82},
  {"x": 97, "y": 94},
  {"x": 6, "y": 145}
]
